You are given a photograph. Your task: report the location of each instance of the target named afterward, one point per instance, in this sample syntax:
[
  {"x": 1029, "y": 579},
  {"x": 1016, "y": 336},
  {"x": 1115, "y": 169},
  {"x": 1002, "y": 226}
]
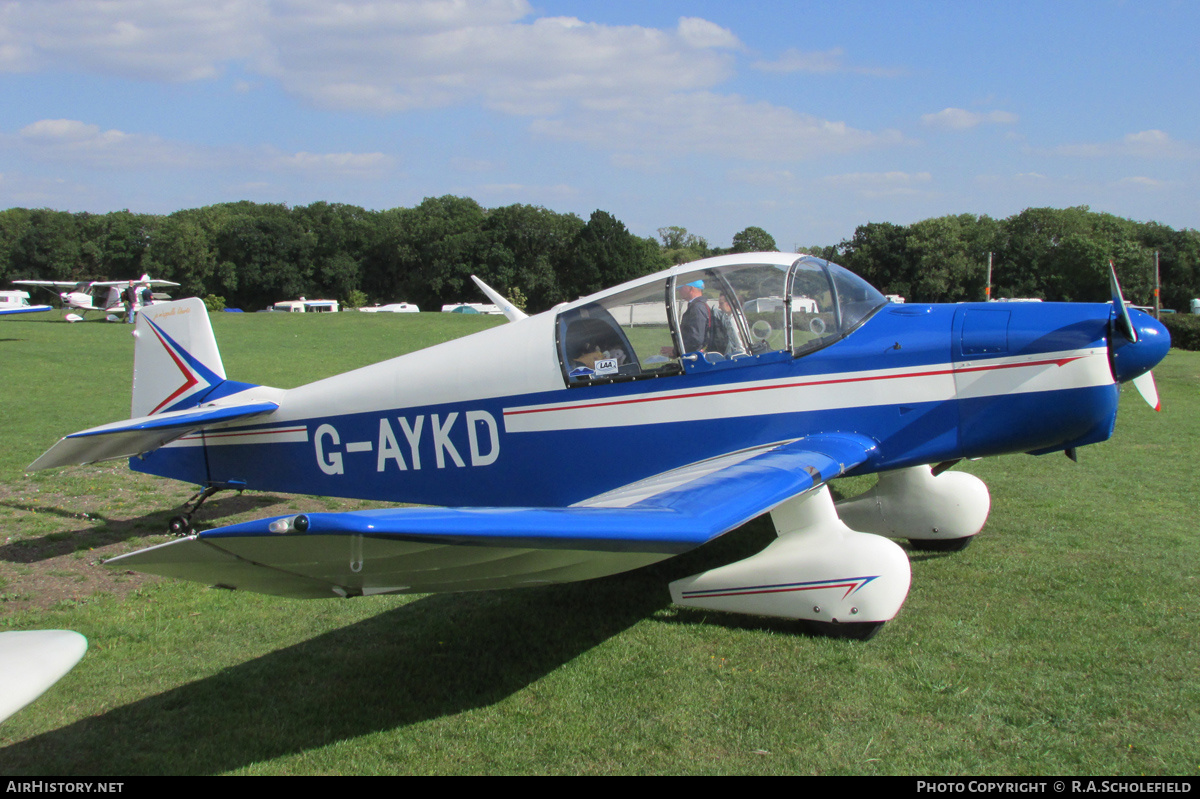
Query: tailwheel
[
  {"x": 940, "y": 544},
  {"x": 182, "y": 525},
  {"x": 852, "y": 631}
]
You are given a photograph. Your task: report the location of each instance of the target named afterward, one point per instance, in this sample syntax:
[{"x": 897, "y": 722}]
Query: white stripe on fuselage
[
  {"x": 279, "y": 435},
  {"x": 830, "y": 391},
  {"x": 838, "y": 390}
]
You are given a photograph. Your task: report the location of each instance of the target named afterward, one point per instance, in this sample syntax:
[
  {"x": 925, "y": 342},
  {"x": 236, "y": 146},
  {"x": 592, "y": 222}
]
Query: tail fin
[
  {"x": 176, "y": 370},
  {"x": 176, "y": 363}
]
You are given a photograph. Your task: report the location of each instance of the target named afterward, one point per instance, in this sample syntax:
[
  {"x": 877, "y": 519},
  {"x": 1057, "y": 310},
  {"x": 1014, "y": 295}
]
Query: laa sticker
[{"x": 606, "y": 366}]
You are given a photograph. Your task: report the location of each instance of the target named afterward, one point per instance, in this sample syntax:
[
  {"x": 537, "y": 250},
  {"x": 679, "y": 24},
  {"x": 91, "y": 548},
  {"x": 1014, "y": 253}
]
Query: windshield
[{"x": 828, "y": 303}]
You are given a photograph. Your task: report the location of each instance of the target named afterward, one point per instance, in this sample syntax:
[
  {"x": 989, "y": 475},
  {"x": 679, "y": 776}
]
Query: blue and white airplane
[
  {"x": 15, "y": 302},
  {"x": 630, "y": 426}
]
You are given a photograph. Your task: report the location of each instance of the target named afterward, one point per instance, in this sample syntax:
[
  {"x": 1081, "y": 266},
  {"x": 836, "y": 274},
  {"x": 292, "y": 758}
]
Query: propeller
[
  {"x": 1125, "y": 324},
  {"x": 1144, "y": 345},
  {"x": 1145, "y": 386}
]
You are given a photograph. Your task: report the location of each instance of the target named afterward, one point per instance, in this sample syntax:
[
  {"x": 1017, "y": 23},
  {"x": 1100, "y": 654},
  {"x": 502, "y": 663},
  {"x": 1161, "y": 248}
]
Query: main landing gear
[
  {"x": 937, "y": 511},
  {"x": 834, "y": 568}
]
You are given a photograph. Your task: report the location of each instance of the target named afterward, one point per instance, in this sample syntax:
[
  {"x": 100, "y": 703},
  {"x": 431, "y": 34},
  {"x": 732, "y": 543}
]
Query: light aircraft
[
  {"x": 14, "y": 302},
  {"x": 99, "y": 295},
  {"x": 618, "y": 430}
]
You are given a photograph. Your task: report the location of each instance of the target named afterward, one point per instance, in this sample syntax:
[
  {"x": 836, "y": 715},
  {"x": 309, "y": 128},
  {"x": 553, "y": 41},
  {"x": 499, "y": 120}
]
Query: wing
[
  {"x": 420, "y": 550},
  {"x": 64, "y": 283},
  {"x": 134, "y": 436},
  {"x": 33, "y": 660},
  {"x": 145, "y": 281},
  {"x": 26, "y": 309}
]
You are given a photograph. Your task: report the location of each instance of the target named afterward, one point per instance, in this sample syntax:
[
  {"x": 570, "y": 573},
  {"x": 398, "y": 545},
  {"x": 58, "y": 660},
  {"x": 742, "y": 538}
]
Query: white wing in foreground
[{"x": 33, "y": 660}]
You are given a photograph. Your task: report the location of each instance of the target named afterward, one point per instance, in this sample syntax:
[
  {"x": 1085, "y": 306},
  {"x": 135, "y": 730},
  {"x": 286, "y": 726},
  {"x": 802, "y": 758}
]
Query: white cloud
[
  {"x": 623, "y": 89},
  {"x": 370, "y": 55},
  {"x": 168, "y": 40},
  {"x": 70, "y": 141},
  {"x": 961, "y": 119},
  {"x": 1144, "y": 144},
  {"x": 712, "y": 124},
  {"x": 366, "y": 55},
  {"x": 515, "y": 67},
  {"x": 702, "y": 33}
]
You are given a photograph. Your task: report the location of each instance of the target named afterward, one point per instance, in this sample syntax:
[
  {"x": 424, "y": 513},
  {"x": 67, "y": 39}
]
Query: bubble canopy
[{"x": 725, "y": 309}]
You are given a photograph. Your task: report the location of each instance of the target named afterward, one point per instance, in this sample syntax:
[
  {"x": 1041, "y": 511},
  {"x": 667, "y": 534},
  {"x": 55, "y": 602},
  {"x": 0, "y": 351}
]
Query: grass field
[{"x": 1065, "y": 640}]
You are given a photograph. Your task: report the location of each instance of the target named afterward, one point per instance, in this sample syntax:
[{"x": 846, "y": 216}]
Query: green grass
[{"x": 1063, "y": 641}]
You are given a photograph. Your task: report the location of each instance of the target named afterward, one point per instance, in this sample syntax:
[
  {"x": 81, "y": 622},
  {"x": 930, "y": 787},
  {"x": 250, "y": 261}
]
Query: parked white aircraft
[
  {"x": 13, "y": 302},
  {"x": 101, "y": 295}
]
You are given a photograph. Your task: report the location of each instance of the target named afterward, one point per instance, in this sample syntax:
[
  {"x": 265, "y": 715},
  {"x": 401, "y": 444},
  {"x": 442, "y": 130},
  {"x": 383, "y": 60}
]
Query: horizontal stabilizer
[
  {"x": 419, "y": 550},
  {"x": 134, "y": 436}
]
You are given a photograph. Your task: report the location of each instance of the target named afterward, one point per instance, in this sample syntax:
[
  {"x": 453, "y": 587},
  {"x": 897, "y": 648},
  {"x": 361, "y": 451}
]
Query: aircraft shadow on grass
[
  {"x": 103, "y": 529},
  {"x": 436, "y": 656}
]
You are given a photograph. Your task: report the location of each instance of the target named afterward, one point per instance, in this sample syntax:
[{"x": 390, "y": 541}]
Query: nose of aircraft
[{"x": 1133, "y": 358}]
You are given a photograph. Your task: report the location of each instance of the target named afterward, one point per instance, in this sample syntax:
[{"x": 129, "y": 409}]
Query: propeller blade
[
  {"x": 1145, "y": 386},
  {"x": 1125, "y": 324}
]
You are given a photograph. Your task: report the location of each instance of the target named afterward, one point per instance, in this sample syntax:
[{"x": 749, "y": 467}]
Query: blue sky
[{"x": 804, "y": 118}]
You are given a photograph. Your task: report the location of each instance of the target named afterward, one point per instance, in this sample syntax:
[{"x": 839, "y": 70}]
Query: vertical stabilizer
[{"x": 176, "y": 362}]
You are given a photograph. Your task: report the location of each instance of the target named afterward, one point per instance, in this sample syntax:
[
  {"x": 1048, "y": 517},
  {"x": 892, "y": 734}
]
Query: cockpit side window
[
  {"x": 759, "y": 294},
  {"x": 739, "y": 311},
  {"x": 623, "y": 337}
]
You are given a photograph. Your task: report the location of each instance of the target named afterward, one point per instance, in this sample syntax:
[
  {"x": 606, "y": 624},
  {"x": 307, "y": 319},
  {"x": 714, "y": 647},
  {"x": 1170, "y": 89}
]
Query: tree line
[
  {"x": 1048, "y": 253},
  {"x": 254, "y": 254}
]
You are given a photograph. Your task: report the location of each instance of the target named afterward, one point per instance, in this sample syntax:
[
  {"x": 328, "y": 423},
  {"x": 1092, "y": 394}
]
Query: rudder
[{"x": 176, "y": 363}]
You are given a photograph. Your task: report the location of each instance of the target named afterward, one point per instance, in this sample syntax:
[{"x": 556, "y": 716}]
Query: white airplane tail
[
  {"x": 179, "y": 387},
  {"x": 175, "y": 360}
]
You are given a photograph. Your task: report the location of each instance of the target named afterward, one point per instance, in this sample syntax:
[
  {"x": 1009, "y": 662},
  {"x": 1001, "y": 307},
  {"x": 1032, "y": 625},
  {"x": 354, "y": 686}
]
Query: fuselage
[{"x": 501, "y": 418}]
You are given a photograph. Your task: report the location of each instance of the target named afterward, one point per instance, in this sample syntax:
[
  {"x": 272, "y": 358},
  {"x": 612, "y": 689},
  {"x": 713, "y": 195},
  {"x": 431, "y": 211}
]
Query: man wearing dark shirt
[{"x": 696, "y": 320}]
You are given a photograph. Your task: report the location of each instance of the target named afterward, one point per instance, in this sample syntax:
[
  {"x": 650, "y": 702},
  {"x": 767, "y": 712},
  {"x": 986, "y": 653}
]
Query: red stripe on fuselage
[
  {"x": 239, "y": 433},
  {"x": 935, "y": 373}
]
